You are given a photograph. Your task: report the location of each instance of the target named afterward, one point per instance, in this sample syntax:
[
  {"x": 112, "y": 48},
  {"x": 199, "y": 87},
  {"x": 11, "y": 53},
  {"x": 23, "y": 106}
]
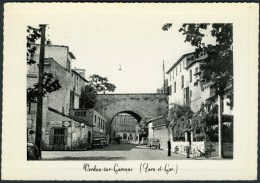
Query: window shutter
[
  {"x": 51, "y": 136},
  {"x": 65, "y": 136}
]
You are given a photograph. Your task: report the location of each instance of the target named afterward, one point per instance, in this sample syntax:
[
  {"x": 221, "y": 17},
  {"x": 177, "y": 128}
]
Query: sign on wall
[
  {"x": 66, "y": 123},
  {"x": 56, "y": 123},
  {"x": 60, "y": 123}
]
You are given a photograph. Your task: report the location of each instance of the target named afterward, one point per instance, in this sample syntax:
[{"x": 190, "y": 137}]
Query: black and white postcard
[{"x": 130, "y": 91}]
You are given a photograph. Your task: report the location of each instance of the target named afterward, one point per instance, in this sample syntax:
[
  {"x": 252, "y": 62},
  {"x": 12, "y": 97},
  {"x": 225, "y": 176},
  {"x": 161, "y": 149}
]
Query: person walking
[{"x": 169, "y": 147}]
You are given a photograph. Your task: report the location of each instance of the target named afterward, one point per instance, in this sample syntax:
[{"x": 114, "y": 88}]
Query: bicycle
[{"x": 206, "y": 153}]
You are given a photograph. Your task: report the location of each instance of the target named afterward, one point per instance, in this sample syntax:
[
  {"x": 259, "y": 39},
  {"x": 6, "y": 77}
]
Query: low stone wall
[
  {"x": 195, "y": 147},
  {"x": 180, "y": 147}
]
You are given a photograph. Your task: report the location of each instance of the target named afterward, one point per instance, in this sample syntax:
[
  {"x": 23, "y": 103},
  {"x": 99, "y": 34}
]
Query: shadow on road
[{"x": 85, "y": 158}]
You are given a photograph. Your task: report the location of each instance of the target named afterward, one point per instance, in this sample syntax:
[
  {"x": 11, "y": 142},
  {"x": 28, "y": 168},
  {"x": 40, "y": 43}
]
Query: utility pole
[
  {"x": 38, "y": 137},
  {"x": 219, "y": 126},
  {"x": 164, "y": 79}
]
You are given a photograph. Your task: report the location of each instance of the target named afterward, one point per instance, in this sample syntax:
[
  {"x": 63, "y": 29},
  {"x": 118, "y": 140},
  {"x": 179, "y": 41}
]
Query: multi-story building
[
  {"x": 183, "y": 89},
  {"x": 60, "y": 129},
  {"x": 181, "y": 78},
  {"x": 125, "y": 126}
]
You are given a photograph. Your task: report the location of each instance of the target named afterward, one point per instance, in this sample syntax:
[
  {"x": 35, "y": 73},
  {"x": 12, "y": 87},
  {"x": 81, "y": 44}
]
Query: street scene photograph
[{"x": 140, "y": 88}]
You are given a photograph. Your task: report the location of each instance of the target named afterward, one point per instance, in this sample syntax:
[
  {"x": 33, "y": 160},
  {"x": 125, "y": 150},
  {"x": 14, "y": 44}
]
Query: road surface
[{"x": 113, "y": 152}]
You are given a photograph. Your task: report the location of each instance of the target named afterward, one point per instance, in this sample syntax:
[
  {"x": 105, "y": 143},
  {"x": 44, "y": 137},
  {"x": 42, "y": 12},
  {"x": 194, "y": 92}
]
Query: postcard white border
[{"x": 244, "y": 17}]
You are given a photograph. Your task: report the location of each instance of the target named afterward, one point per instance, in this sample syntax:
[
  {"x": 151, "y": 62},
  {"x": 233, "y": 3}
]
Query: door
[
  {"x": 59, "y": 138},
  {"x": 89, "y": 137}
]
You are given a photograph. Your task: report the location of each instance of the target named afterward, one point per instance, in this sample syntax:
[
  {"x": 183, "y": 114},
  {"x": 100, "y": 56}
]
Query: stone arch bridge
[{"x": 140, "y": 106}]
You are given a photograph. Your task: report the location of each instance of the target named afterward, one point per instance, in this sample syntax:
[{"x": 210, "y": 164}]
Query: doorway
[{"x": 59, "y": 138}]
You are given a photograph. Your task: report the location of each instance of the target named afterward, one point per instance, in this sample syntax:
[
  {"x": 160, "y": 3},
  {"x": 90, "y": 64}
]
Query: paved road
[{"x": 113, "y": 152}]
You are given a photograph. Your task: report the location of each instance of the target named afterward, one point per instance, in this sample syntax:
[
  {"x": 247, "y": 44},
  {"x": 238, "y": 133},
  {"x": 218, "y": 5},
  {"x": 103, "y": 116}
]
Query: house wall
[
  {"x": 58, "y": 52},
  {"x": 162, "y": 134},
  {"x": 77, "y": 135},
  {"x": 93, "y": 117},
  {"x": 180, "y": 95},
  {"x": 100, "y": 123},
  {"x": 56, "y": 60}
]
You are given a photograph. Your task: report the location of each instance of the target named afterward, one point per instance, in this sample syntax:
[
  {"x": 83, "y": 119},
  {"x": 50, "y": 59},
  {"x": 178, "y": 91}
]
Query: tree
[
  {"x": 160, "y": 90},
  {"x": 143, "y": 129},
  {"x": 88, "y": 92},
  {"x": 33, "y": 35},
  {"x": 180, "y": 121},
  {"x": 101, "y": 84},
  {"x": 50, "y": 84},
  {"x": 88, "y": 97}
]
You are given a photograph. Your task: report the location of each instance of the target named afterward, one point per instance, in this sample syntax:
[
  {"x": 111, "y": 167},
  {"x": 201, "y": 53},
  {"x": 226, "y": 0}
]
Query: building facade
[
  {"x": 61, "y": 131},
  {"x": 185, "y": 90},
  {"x": 97, "y": 120},
  {"x": 181, "y": 79}
]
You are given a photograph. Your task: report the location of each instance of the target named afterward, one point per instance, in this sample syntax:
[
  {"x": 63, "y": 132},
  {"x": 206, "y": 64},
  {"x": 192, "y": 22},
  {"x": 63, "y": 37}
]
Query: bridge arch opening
[{"x": 125, "y": 125}]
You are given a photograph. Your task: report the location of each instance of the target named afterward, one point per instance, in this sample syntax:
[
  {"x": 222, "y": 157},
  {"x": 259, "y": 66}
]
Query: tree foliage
[
  {"x": 160, "y": 90},
  {"x": 179, "y": 117},
  {"x": 217, "y": 67},
  {"x": 32, "y": 36},
  {"x": 87, "y": 97},
  {"x": 143, "y": 128},
  {"x": 166, "y": 26},
  {"x": 88, "y": 92},
  {"x": 50, "y": 84},
  {"x": 101, "y": 84}
]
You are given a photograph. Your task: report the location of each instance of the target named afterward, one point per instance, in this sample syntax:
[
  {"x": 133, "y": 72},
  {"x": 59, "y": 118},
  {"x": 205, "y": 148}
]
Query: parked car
[
  {"x": 144, "y": 141},
  {"x": 99, "y": 142},
  {"x": 32, "y": 152},
  {"x": 104, "y": 141},
  {"x": 154, "y": 143}
]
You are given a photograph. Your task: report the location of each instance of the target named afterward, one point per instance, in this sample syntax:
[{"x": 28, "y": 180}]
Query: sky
[{"x": 101, "y": 42}]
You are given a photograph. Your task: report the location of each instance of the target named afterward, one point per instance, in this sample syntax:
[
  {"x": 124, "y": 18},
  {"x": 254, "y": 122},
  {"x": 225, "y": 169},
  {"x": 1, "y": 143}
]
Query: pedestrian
[{"x": 169, "y": 147}]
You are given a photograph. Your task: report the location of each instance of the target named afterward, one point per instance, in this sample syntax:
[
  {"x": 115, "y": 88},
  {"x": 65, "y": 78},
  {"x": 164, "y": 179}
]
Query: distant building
[{"x": 124, "y": 126}]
